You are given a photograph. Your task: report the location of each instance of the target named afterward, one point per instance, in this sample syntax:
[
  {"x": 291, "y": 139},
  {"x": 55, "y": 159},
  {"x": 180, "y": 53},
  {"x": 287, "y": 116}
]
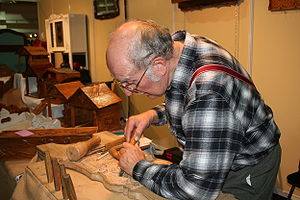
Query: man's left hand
[{"x": 129, "y": 156}]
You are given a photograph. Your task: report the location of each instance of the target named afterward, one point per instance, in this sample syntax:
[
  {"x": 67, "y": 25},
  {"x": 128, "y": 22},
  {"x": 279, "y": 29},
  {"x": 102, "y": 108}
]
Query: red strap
[{"x": 222, "y": 68}]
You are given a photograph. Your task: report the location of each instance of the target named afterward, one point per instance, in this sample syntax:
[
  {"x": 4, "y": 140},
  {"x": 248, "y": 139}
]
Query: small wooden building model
[
  {"x": 59, "y": 75},
  {"x": 37, "y": 62},
  {"x": 54, "y": 76},
  {"x": 60, "y": 94},
  {"x": 95, "y": 105}
]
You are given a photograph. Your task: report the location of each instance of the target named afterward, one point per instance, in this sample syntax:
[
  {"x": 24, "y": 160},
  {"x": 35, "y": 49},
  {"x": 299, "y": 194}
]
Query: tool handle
[
  {"x": 109, "y": 145},
  {"x": 79, "y": 149},
  {"x": 114, "y": 151},
  {"x": 132, "y": 140}
]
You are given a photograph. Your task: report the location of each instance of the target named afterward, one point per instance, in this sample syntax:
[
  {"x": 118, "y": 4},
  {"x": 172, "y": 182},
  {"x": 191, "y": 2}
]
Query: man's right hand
[{"x": 139, "y": 122}]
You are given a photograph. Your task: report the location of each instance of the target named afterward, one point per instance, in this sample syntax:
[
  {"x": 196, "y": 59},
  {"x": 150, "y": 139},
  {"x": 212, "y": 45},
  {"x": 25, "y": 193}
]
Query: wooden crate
[{"x": 15, "y": 147}]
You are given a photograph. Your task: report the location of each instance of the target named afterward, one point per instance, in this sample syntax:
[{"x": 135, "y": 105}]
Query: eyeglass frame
[{"x": 129, "y": 87}]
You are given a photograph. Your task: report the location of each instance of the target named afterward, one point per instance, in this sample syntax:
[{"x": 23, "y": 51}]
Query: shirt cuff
[
  {"x": 160, "y": 113},
  {"x": 139, "y": 169}
]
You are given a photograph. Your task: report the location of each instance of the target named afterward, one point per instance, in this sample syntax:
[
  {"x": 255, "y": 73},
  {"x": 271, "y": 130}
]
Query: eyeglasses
[{"x": 131, "y": 86}]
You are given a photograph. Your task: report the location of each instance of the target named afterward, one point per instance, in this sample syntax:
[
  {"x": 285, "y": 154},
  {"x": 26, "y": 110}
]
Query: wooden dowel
[{"x": 48, "y": 166}]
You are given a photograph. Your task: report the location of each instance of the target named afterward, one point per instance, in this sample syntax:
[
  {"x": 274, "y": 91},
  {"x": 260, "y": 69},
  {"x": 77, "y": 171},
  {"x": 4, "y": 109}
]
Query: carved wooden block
[{"x": 103, "y": 169}]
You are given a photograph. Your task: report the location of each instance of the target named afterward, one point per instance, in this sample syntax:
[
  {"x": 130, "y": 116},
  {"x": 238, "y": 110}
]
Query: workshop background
[{"x": 266, "y": 42}]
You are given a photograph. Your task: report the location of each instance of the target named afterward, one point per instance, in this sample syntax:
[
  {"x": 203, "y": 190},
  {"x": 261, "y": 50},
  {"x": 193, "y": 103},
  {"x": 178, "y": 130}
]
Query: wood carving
[
  {"x": 283, "y": 4},
  {"x": 104, "y": 169}
]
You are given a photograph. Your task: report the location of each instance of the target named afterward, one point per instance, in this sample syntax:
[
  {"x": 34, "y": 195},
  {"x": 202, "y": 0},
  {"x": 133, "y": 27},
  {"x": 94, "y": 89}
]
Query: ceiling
[{"x": 19, "y": 16}]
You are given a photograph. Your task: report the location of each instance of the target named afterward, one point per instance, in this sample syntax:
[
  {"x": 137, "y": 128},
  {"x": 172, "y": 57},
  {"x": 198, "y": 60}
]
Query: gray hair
[{"x": 153, "y": 40}]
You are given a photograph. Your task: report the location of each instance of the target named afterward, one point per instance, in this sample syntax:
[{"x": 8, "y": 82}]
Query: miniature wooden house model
[
  {"x": 37, "y": 62},
  {"x": 60, "y": 94},
  {"x": 54, "y": 76},
  {"x": 95, "y": 105}
]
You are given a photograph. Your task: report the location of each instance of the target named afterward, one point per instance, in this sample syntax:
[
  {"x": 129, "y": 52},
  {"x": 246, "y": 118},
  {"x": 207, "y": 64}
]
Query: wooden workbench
[{"x": 34, "y": 185}]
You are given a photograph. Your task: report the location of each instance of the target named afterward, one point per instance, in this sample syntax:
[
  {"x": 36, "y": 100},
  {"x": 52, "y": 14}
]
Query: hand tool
[
  {"x": 105, "y": 148},
  {"x": 114, "y": 150},
  {"x": 80, "y": 149}
]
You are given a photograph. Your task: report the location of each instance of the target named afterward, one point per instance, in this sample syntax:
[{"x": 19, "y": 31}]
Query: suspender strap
[{"x": 221, "y": 68}]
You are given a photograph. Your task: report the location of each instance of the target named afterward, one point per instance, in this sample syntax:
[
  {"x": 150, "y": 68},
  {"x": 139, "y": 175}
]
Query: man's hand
[
  {"x": 139, "y": 123},
  {"x": 129, "y": 156}
]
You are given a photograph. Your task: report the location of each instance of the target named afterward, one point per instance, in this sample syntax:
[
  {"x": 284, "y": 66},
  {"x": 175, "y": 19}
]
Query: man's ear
[{"x": 159, "y": 66}]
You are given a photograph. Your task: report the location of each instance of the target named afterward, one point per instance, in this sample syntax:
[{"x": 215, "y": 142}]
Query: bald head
[{"x": 136, "y": 43}]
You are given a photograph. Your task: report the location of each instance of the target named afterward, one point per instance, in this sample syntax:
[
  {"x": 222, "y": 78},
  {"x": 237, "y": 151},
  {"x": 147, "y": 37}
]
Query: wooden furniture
[
  {"x": 37, "y": 63},
  {"x": 94, "y": 105},
  {"x": 67, "y": 34},
  {"x": 14, "y": 147}
]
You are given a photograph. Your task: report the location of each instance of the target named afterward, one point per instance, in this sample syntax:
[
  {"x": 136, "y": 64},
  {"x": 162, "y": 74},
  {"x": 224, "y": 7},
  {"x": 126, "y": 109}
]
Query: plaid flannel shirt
[{"x": 222, "y": 122}]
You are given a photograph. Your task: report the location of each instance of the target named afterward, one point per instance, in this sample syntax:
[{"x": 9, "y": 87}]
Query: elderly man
[{"x": 230, "y": 140}]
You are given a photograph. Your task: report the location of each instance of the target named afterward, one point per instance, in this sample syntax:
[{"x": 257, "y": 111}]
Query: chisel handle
[
  {"x": 114, "y": 151},
  {"x": 116, "y": 142},
  {"x": 79, "y": 149}
]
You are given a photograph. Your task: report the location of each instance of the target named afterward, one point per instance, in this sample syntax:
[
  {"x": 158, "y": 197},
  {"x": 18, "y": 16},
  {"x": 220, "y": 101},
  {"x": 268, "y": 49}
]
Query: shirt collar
[{"x": 185, "y": 67}]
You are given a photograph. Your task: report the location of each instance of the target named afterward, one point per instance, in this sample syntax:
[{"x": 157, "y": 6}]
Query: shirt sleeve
[
  {"x": 212, "y": 139},
  {"x": 161, "y": 113}
]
